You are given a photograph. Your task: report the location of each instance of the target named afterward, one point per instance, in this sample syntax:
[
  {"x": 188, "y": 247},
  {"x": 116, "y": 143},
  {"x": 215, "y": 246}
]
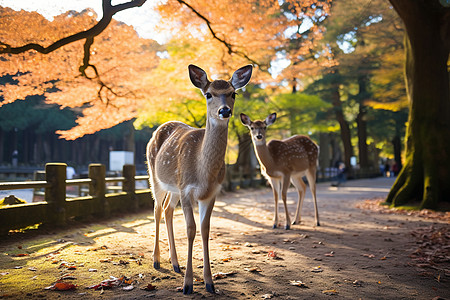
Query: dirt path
[{"x": 354, "y": 254}]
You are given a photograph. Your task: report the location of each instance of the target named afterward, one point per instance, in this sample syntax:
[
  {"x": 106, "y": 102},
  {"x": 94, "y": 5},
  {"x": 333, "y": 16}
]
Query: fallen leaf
[
  {"x": 330, "y": 292},
  {"x": 67, "y": 277},
  {"x": 267, "y": 296},
  {"x": 149, "y": 287},
  {"x": 62, "y": 286},
  {"x": 369, "y": 255},
  {"x": 21, "y": 254},
  {"x": 253, "y": 269},
  {"x": 298, "y": 283},
  {"x": 221, "y": 275},
  {"x": 128, "y": 288},
  {"x": 272, "y": 254},
  {"x": 331, "y": 254},
  {"x": 357, "y": 283},
  {"x": 317, "y": 269}
]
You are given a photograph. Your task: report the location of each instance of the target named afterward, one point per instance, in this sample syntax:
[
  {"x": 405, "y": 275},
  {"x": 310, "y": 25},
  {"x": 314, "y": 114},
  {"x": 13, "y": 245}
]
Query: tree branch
[
  {"x": 230, "y": 47},
  {"x": 108, "y": 11}
]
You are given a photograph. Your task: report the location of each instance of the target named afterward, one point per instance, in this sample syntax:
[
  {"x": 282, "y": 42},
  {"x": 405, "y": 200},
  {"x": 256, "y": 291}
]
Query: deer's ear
[
  {"x": 271, "y": 119},
  {"x": 241, "y": 77},
  {"x": 245, "y": 119},
  {"x": 198, "y": 77}
]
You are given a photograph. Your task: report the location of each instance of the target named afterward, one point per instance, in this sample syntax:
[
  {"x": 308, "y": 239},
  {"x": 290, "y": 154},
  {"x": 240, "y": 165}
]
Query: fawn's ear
[
  {"x": 241, "y": 77},
  {"x": 198, "y": 77},
  {"x": 245, "y": 120},
  {"x": 270, "y": 119}
]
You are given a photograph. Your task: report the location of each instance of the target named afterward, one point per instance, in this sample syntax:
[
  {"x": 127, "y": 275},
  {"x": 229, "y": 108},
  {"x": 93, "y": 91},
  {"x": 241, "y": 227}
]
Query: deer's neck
[
  {"x": 213, "y": 148},
  {"x": 263, "y": 154}
]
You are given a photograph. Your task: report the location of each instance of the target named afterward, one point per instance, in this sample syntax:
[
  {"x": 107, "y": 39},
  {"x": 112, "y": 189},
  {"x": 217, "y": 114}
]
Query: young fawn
[
  {"x": 188, "y": 163},
  {"x": 283, "y": 162}
]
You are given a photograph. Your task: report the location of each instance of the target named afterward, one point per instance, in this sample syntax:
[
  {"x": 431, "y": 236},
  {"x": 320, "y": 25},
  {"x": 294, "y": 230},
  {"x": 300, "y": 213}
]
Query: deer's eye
[
  {"x": 208, "y": 96},
  {"x": 264, "y": 127},
  {"x": 253, "y": 128}
]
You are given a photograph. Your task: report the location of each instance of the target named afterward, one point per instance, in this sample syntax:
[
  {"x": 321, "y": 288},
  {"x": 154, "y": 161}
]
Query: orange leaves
[
  {"x": 121, "y": 58},
  {"x": 62, "y": 286}
]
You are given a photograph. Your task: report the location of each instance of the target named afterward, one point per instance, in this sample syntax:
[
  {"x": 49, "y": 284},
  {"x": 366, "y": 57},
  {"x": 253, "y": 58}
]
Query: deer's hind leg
[
  {"x": 286, "y": 182},
  {"x": 276, "y": 189},
  {"x": 170, "y": 202},
  {"x": 159, "y": 196},
  {"x": 311, "y": 177},
  {"x": 297, "y": 181}
]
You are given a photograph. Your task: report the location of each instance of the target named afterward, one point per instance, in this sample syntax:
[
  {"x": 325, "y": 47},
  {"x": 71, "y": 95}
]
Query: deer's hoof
[
  {"x": 176, "y": 268},
  {"x": 188, "y": 289},
  {"x": 210, "y": 288},
  {"x": 274, "y": 226},
  {"x": 296, "y": 223},
  {"x": 318, "y": 224},
  {"x": 156, "y": 265},
  {"x": 287, "y": 227}
]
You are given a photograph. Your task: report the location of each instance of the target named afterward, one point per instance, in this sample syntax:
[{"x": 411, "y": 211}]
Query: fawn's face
[
  {"x": 258, "y": 128},
  {"x": 258, "y": 131}
]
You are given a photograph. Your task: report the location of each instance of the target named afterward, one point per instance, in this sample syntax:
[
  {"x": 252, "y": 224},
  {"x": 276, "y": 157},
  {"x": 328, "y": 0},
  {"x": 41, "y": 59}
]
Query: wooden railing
[{"x": 56, "y": 208}]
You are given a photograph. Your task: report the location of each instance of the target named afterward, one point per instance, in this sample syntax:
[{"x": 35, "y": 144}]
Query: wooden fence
[{"x": 57, "y": 208}]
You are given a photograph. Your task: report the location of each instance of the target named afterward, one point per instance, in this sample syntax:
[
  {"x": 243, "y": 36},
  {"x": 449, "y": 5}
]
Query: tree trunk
[
  {"x": 243, "y": 161},
  {"x": 425, "y": 176},
  {"x": 345, "y": 128},
  {"x": 362, "y": 123}
]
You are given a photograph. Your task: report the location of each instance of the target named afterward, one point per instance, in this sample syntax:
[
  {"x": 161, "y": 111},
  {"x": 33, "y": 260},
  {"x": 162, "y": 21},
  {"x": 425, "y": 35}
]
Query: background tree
[
  {"x": 426, "y": 172},
  {"x": 361, "y": 33}
]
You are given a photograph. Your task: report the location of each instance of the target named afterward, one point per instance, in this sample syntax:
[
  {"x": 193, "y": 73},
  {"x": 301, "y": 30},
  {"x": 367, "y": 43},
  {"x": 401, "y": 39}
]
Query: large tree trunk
[{"x": 425, "y": 176}]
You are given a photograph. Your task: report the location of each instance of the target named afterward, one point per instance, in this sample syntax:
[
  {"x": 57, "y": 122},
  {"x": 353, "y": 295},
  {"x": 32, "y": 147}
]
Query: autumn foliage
[
  {"x": 124, "y": 77},
  {"x": 120, "y": 57}
]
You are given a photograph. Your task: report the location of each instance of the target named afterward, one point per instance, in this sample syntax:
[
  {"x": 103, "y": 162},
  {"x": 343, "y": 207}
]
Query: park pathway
[{"x": 356, "y": 253}]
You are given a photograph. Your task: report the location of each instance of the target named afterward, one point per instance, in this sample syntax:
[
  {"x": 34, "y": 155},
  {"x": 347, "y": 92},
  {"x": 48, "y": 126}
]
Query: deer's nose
[
  {"x": 224, "y": 112},
  {"x": 259, "y": 136}
]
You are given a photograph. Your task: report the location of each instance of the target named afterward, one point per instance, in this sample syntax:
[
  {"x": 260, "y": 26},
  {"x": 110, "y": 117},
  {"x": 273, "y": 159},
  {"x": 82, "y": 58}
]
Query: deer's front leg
[
  {"x": 188, "y": 287},
  {"x": 205, "y": 210},
  {"x": 276, "y": 191}
]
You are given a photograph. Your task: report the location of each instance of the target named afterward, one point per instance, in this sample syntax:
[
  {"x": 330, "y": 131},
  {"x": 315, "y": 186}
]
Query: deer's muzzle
[{"x": 224, "y": 112}]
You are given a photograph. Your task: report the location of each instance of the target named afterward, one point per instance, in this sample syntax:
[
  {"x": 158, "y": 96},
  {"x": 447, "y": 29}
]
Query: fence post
[
  {"x": 129, "y": 185},
  {"x": 55, "y": 194},
  {"x": 97, "y": 189}
]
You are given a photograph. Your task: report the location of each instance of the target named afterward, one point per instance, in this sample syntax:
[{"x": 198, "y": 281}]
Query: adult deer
[
  {"x": 285, "y": 161},
  {"x": 188, "y": 164}
]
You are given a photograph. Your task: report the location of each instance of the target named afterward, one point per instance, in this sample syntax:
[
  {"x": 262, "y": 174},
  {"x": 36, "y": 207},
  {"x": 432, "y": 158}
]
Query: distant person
[
  {"x": 395, "y": 169},
  {"x": 15, "y": 158},
  {"x": 386, "y": 169},
  {"x": 342, "y": 175},
  {"x": 70, "y": 172}
]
